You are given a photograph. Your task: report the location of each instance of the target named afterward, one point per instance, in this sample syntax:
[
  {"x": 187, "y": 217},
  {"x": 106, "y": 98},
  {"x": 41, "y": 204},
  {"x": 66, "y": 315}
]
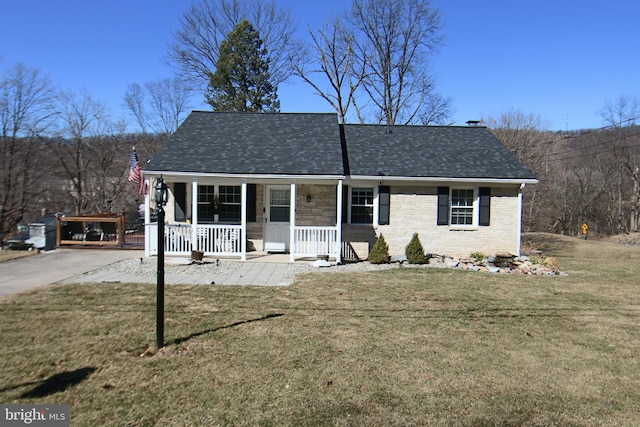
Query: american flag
[{"x": 135, "y": 174}]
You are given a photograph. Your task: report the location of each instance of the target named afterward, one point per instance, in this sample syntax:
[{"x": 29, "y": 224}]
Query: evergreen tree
[
  {"x": 242, "y": 80},
  {"x": 414, "y": 251},
  {"x": 380, "y": 252}
]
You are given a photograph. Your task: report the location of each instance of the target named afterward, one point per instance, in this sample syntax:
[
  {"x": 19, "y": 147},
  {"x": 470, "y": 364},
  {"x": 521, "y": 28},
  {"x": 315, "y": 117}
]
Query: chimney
[{"x": 473, "y": 123}]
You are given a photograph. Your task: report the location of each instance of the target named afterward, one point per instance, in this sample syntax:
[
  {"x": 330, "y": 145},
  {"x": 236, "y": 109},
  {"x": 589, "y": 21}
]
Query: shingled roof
[
  {"x": 253, "y": 143},
  {"x": 430, "y": 151},
  {"x": 311, "y": 144}
]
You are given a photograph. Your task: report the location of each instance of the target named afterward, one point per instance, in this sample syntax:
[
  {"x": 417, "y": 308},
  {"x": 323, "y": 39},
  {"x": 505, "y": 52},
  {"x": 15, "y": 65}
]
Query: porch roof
[
  {"x": 431, "y": 152},
  {"x": 253, "y": 143}
]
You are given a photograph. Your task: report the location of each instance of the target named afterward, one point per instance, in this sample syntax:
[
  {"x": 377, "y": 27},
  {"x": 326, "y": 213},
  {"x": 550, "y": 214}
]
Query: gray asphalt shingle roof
[
  {"x": 253, "y": 143},
  {"x": 430, "y": 151},
  {"x": 310, "y": 144}
]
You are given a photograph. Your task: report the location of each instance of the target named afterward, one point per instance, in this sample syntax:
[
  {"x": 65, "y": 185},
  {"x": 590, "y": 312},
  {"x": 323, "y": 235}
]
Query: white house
[{"x": 306, "y": 185}]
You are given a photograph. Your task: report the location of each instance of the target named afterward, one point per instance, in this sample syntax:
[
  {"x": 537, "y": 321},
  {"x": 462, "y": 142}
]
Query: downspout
[{"x": 519, "y": 230}]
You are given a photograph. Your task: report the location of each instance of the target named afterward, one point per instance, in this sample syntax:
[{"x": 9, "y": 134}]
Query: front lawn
[{"x": 398, "y": 347}]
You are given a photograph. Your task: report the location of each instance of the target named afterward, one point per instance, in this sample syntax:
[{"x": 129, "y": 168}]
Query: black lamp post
[{"x": 160, "y": 195}]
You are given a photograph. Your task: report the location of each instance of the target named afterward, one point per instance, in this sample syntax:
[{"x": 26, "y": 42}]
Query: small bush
[
  {"x": 477, "y": 256},
  {"x": 380, "y": 252},
  {"x": 547, "y": 261},
  {"x": 414, "y": 251}
]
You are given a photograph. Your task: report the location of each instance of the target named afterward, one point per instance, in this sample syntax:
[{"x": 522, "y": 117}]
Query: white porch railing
[
  {"x": 313, "y": 241},
  {"x": 225, "y": 240},
  {"x": 219, "y": 239},
  {"x": 222, "y": 240}
]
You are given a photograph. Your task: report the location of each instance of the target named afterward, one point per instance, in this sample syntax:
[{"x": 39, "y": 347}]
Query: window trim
[
  {"x": 473, "y": 207},
  {"x": 216, "y": 216},
  {"x": 374, "y": 205},
  {"x": 239, "y": 203}
]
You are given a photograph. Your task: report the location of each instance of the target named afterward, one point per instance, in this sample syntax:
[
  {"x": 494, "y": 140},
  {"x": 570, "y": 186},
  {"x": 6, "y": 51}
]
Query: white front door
[{"x": 277, "y": 215}]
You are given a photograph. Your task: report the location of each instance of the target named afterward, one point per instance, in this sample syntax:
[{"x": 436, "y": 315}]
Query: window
[
  {"x": 461, "y": 207},
  {"x": 279, "y": 208},
  {"x": 180, "y": 197},
  {"x": 362, "y": 206},
  {"x": 464, "y": 206},
  {"x": 226, "y": 203},
  {"x": 230, "y": 203},
  {"x": 206, "y": 194}
]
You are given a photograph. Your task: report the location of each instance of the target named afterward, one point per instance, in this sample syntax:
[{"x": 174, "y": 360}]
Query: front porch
[
  {"x": 228, "y": 241},
  {"x": 226, "y": 218}
]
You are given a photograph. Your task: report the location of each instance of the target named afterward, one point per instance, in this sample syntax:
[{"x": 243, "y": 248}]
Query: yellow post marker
[{"x": 585, "y": 229}]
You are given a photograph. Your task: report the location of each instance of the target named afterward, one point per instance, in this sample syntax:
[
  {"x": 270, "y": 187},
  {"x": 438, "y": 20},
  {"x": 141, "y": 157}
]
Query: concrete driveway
[{"x": 57, "y": 265}]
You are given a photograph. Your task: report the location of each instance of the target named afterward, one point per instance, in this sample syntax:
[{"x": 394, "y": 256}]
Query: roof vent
[{"x": 473, "y": 123}]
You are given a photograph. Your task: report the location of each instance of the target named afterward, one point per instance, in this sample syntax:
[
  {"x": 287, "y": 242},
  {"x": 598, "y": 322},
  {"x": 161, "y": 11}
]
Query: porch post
[
  {"x": 243, "y": 221},
  {"x": 147, "y": 220},
  {"x": 339, "y": 223},
  {"x": 194, "y": 214},
  {"x": 292, "y": 224}
]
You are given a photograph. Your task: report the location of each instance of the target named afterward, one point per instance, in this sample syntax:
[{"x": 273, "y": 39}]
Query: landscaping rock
[{"x": 321, "y": 263}]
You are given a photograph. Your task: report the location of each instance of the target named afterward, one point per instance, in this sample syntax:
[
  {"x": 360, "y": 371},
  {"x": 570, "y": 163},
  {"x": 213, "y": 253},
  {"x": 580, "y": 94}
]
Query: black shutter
[
  {"x": 443, "y": 206},
  {"x": 345, "y": 203},
  {"x": 180, "y": 197},
  {"x": 251, "y": 203},
  {"x": 485, "y": 205},
  {"x": 384, "y": 202}
]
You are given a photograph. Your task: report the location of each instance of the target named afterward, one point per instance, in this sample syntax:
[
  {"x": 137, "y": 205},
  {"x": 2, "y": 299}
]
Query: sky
[{"x": 560, "y": 60}]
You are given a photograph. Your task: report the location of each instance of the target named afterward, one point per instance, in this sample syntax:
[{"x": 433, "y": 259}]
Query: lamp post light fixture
[{"x": 160, "y": 195}]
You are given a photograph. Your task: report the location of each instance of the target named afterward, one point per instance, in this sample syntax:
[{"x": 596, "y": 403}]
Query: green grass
[{"x": 399, "y": 347}]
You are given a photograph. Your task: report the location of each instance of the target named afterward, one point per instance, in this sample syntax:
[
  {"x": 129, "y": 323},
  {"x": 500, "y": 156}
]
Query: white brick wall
[{"x": 415, "y": 210}]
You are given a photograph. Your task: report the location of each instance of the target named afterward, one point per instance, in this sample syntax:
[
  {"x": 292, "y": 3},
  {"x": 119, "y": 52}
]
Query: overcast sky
[{"x": 561, "y": 60}]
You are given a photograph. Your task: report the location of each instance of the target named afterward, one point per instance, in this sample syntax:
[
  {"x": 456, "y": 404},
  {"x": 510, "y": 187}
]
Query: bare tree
[
  {"x": 394, "y": 42},
  {"x": 81, "y": 118},
  {"x": 25, "y": 116},
  {"x": 525, "y": 136},
  {"x": 332, "y": 59},
  {"x": 135, "y": 101},
  {"x": 621, "y": 116},
  {"x": 437, "y": 110},
  {"x": 109, "y": 169},
  {"x": 207, "y": 23},
  {"x": 160, "y": 106}
]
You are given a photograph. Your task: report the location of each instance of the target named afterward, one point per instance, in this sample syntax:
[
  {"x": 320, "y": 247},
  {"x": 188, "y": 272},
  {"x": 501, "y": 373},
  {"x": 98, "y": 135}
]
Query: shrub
[
  {"x": 414, "y": 251},
  {"x": 546, "y": 261},
  {"x": 477, "y": 256},
  {"x": 380, "y": 252}
]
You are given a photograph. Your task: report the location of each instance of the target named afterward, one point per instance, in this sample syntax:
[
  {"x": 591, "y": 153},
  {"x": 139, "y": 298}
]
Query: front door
[{"x": 277, "y": 214}]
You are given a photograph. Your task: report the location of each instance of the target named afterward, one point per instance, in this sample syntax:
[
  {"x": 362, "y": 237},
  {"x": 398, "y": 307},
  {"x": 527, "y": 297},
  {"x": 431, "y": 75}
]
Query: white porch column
[
  {"x": 147, "y": 219},
  {"x": 339, "y": 223},
  {"x": 194, "y": 214},
  {"x": 292, "y": 224},
  {"x": 243, "y": 221}
]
